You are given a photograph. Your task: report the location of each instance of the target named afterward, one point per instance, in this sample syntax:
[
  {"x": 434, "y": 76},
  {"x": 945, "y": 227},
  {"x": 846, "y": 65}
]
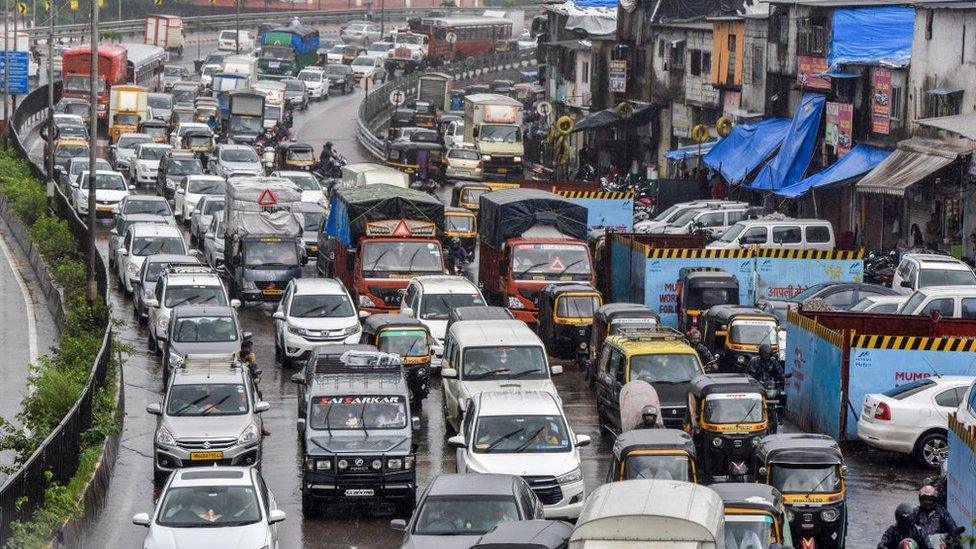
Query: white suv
[
  {"x": 140, "y": 241},
  {"x": 191, "y": 190},
  {"x": 917, "y": 271},
  {"x": 431, "y": 299},
  {"x": 314, "y": 312},
  {"x": 182, "y": 285},
  {"x": 526, "y": 434}
]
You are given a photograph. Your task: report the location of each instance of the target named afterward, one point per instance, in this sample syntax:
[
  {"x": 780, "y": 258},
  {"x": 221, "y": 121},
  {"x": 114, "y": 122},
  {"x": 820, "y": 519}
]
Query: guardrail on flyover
[{"x": 376, "y": 108}]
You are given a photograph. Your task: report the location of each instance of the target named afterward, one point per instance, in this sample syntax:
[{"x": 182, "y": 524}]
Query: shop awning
[
  {"x": 792, "y": 159},
  {"x": 963, "y": 125},
  {"x": 748, "y": 146},
  {"x": 609, "y": 117},
  {"x": 913, "y": 161},
  {"x": 690, "y": 151},
  {"x": 857, "y": 162}
]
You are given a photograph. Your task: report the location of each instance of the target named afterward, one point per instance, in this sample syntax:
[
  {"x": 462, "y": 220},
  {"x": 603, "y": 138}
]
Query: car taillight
[{"x": 882, "y": 412}]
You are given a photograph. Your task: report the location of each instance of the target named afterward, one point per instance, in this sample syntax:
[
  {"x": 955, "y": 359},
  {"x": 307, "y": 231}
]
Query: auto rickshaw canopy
[
  {"x": 606, "y": 314},
  {"x": 719, "y": 384},
  {"x": 653, "y": 439},
  {"x": 465, "y": 194},
  {"x": 550, "y": 309},
  {"x": 294, "y": 153},
  {"x": 799, "y": 449},
  {"x": 460, "y": 222}
]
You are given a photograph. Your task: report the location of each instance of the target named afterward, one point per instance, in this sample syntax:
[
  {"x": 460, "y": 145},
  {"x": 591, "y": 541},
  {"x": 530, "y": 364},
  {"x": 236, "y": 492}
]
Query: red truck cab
[
  {"x": 76, "y": 68},
  {"x": 384, "y": 265}
]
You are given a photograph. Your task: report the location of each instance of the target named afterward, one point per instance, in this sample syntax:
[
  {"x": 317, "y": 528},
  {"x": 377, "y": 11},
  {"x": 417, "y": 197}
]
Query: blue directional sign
[{"x": 17, "y": 73}]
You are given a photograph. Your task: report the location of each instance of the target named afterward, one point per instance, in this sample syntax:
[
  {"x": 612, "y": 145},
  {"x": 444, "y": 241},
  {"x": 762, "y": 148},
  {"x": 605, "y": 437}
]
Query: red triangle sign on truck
[
  {"x": 557, "y": 265},
  {"x": 402, "y": 229},
  {"x": 267, "y": 198}
]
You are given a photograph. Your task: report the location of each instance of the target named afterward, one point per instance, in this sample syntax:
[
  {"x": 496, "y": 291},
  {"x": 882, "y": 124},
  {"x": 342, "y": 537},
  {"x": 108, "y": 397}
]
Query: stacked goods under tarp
[
  {"x": 262, "y": 205},
  {"x": 513, "y": 212},
  {"x": 351, "y": 209}
]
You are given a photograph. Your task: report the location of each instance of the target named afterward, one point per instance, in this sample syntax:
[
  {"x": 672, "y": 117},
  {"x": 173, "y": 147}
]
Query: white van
[
  {"x": 791, "y": 234},
  {"x": 715, "y": 222},
  {"x": 492, "y": 355},
  {"x": 670, "y": 215},
  {"x": 227, "y": 41},
  {"x": 950, "y": 301}
]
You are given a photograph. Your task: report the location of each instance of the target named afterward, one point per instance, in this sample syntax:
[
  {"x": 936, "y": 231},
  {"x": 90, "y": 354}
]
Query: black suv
[
  {"x": 342, "y": 77},
  {"x": 357, "y": 433},
  {"x": 173, "y": 169}
]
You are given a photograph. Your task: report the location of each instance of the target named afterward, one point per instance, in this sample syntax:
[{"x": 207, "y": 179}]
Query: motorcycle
[
  {"x": 332, "y": 168},
  {"x": 880, "y": 268},
  {"x": 776, "y": 400},
  {"x": 586, "y": 172}
]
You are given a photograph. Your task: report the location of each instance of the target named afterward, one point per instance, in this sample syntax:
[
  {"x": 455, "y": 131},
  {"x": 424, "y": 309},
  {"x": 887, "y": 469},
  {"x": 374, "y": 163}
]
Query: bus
[
  {"x": 76, "y": 71},
  {"x": 145, "y": 65},
  {"x": 473, "y": 36}
]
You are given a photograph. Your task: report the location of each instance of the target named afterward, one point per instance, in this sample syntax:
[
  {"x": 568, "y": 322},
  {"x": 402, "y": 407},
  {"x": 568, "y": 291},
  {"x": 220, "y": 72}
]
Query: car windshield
[
  {"x": 239, "y": 155},
  {"x": 468, "y": 515},
  {"x": 152, "y": 153},
  {"x": 550, "y": 261},
  {"x": 401, "y": 257},
  {"x": 245, "y": 124},
  {"x": 310, "y": 76},
  {"x": 160, "y": 101},
  {"x": 945, "y": 277},
  {"x": 209, "y": 507},
  {"x": 358, "y": 412},
  {"x": 184, "y": 95},
  {"x": 73, "y": 131},
  {"x": 213, "y": 206},
  {"x": 734, "y": 408},
  {"x": 312, "y": 220},
  {"x": 439, "y": 306},
  {"x": 703, "y": 298},
  {"x": 684, "y": 218},
  {"x": 153, "y": 270},
  {"x": 501, "y": 362},
  {"x": 495, "y": 133},
  {"x": 753, "y": 332},
  {"x": 665, "y": 367},
  {"x": 809, "y": 292},
  {"x": 131, "y": 141},
  {"x": 363, "y": 62},
  {"x": 71, "y": 151},
  {"x": 210, "y": 329},
  {"x": 520, "y": 434},
  {"x": 180, "y": 166},
  {"x": 207, "y": 399},
  {"x": 211, "y": 70},
  {"x": 207, "y": 186},
  {"x": 304, "y": 182},
  {"x": 294, "y": 85},
  {"x": 458, "y": 223},
  {"x": 104, "y": 182},
  {"x": 732, "y": 234},
  {"x": 577, "y": 306},
  {"x": 805, "y": 478},
  {"x": 337, "y": 70},
  {"x": 321, "y": 306},
  {"x": 158, "y": 207},
  {"x": 657, "y": 466},
  {"x": 748, "y": 531},
  {"x": 195, "y": 294},
  {"x": 271, "y": 254},
  {"x": 467, "y": 154},
  {"x": 406, "y": 342}
]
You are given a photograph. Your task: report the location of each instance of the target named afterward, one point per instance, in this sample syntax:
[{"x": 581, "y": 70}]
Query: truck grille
[
  {"x": 359, "y": 465},
  {"x": 501, "y": 162},
  {"x": 401, "y": 53},
  {"x": 672, "y": 415},
  {"x": 546, "y": 488},
  {"x": 205, "y": 443},
  {"x": 391, "y": 296}
]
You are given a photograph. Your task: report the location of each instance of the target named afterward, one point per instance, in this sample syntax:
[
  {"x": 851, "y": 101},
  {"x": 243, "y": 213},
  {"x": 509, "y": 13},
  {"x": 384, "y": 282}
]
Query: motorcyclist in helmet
[
  {"x": 708, "y": 359},
  {"x": 765, "y": 367},
  {"x": 326, "y": 154},
  {"x": 457, "y": 255},
  {"x": 904, "y": 528},
  {"x": 932, "y": 518}
]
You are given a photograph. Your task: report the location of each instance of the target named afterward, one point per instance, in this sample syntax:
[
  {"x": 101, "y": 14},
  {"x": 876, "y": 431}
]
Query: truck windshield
[
  {"x": 439, "y": 306},
  {"x": 82, "y": 83},
  {"x": 277, "y": 54},
  {"x": 499, "y": 362},
  {"x": 209, "y": 329},
  {"x": 272, "y": 113},
  {"x": 549, "y": 261},
  {"x": 240, "y": 124},
  {"x": 404, "y": 342},
  {"x": 127, "y": 119},
  {"x": 415, "y": 39},
  {"x": 793, "y": 479},
  {"x": 495, "y": 133},
  {"x": 161, "y": 101},
  {"x": 734, "y": 408},
  {"x": 656, "y": 466},
  {"x": 391, "y": 256},
  {"x": 207, "y": 399},
  {"x": 665, "y": 367},
  {"x": 521, "y": 434},
  {"x": 753, "y": 332},
  {"x": 358, "y": 412},
  {"x": 271, "y": 254}
]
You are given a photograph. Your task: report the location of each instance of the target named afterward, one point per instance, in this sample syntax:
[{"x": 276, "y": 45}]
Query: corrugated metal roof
[{"x": 961, "y": 124}]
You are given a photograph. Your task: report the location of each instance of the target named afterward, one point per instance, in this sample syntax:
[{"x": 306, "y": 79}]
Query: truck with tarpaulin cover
[
  {"x": 263, "y": 246},
  {"x": 530, "y": 238},
  {"x": 287, "y": 50},
  {"x": 246, "y": 120},
  {"x": 377, "y": 238}
]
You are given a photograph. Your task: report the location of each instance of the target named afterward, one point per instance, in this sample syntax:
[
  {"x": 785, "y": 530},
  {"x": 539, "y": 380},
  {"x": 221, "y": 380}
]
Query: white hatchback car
[
  {"x": 209, "y": 506},
  {"x": 913, "y": 418},
  {"x": 192, "y": 189},
  {"x": 110, "y": 189},
  {"x": 141, "y": 241},
  {"x": 314, "y": 312},
  {"x": 316, "y": 82},
  {"x": 525, "y": 433}
]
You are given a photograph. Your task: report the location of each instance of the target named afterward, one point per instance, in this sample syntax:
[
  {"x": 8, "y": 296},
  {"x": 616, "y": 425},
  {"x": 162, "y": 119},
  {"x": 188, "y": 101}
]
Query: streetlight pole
[
  {"x": 237, "y": 36},
  {"x": 6, "y": 67},
  {"x": 49, "y": 160},
  {"x": 92, "y": 294},
  {"x": 382, "y": 18}
]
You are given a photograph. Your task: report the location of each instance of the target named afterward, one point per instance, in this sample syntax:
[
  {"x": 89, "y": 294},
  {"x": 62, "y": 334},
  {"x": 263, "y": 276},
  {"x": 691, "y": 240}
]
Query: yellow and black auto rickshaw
[
  {"x": 700, "y": 288},
  {"x": 754, "y": 515},
  {"x": 462, "y": 224},
  {"x": 419, "y": 159},
  {"x": 123, "y": 122},
  {"x": 566, "y": 319},
  {"x": 401, "y": 118},
  {"x": 157, "y": 129},
  {"x": 734, "y": 333},
  {"x": 294, "y": 155},
  {"x": 809, "y": 470},
  {"x": 666, "y": 454},
  {"x": 198, "y": 140},
  {"x": 727, "y": 416},
  {"x": 408, "y": 337},
  {"x": 467, "y": 194},
  {"x": 613, "y": 319},
  {"x": 425, "y": 114},
  {"x": 204, "y": 112}
]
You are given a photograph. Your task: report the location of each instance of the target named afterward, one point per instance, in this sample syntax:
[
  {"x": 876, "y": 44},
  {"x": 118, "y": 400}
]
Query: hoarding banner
[
  {"x": 782, "y": 278},
  {"x": 881, "y": 102},
  {"x": 618, "y": 76},
  {"x": 806, "y": 70},
  {"x": 839, "y": 129}
]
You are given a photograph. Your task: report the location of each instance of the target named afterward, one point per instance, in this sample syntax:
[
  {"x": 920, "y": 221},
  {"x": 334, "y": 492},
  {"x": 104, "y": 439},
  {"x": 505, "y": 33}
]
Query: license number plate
[
  {"x": 360, "y": 492},
  {"x": 274, "y": 64},
  {"x": 103, "y": 208},
  {"x": 197, "y": 456},
  {"x": 502, "y": 170},
  {"x": 273, "y": 292}
]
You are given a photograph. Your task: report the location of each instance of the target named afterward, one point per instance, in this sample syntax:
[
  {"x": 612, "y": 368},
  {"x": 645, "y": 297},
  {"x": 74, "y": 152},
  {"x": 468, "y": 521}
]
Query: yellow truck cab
[{"x": 128, "y": 107}]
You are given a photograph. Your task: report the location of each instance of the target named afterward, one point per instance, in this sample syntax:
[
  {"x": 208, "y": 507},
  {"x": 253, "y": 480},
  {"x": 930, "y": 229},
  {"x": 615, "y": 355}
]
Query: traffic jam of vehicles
[{"x": 712, "y": 337}]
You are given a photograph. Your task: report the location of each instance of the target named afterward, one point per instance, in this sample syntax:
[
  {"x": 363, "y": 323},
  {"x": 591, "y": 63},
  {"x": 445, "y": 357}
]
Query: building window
[
  {"x": 706, "y": 63},
  {"x": 585, "y": 77},
  {"x": 896, "y": 106},
  {"x": 942, "y": 102},
  {"x": 696, "y": 62},
  {"x": 660, "y": 48},
  {"x": 928, "y": 24},
  {"x": 677, "y": 57},
  {"x": 758, "y": 62}
]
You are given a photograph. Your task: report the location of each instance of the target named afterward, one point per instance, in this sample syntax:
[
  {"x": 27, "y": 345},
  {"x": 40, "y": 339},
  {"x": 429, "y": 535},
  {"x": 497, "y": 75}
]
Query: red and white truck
[{"x": 165, "y": 31}]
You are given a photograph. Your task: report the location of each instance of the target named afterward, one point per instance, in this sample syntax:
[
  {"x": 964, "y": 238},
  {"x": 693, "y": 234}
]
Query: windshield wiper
[
  {"x": 528, "y": 441},
  {"x": 412, "y": 258},
  {"x": 378, "y": 258},
  {"x": 523, "y": 373},
  {"x": 530, "y": 267},
  {"x": 578, "y": 261},
  {"x": 749, "y": 413},
  {"x": 488, "y": 373},
  {"x": 216, "y": 404},
  {"x": 194, "y": 403},
  {"x": 814, "y": 489},
  {"x": 502, "y": 438},
  {"x": 186, "y": 300}
]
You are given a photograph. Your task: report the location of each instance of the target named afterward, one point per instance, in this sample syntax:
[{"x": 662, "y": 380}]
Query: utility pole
[
  {"x": 93, "y": 149},
  {"x": 13, "y": 98},
  {"x": 237, "y": 36},
  {"x": 49, "y": 159},
  {"x": 382, "y": 18},
  {"x": 6, "y": 67}
]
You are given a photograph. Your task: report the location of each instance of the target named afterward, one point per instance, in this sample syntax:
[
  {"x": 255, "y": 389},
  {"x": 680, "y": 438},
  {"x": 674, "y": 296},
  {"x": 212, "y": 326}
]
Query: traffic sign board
[
  {"x": 17, "y": 73},
  {"x": 397, "y": 97},
  {"x": 22, "y": 8},
  {"x": 450, "y": 38},
  {"x": 544, "y": 108}
]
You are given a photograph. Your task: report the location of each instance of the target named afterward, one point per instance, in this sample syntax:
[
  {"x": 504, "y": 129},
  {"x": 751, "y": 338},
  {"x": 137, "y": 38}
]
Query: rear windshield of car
[{"x": 902, "y": 392}]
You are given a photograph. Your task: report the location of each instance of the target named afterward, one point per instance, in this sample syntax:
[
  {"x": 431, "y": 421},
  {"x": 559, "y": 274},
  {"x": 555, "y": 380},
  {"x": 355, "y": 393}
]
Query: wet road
[{"x": 877, "y": 482}]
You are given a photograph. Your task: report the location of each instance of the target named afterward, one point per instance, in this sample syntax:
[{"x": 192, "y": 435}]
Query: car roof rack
[
  {"x": 660, "y": 333},
  {"x": 189, "y": 268},
  {"x": 210, "y": 362}
]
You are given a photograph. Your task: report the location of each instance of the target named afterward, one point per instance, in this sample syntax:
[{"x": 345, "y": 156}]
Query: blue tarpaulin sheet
[
  {"x": 748, "y": 146},
  {"x": 792, "y": 159},
  {"x": 596, "y": 3},
  {"x": 874, "y": 35},
  {"x": 690, "y": 151},
  {"x": 858, "y": 161}
]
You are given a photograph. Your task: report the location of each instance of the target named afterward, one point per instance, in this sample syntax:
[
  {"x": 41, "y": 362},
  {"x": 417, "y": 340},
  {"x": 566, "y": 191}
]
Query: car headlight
[
  {"x": 249, "y": 285},
  {"x": 297, "y": 331},
  {"x": 755, "y": 441},
  {"x": 164, "y": 437},
  {"x": 517, "y": 159},
  {"x": 717, "y": 442},
  {"x": 394, "y": 464},
  {"x": 323, "y": 464},
  {"x": 377, "y": 464},
  {"x": 408, "y": 462},
  {"x": 343, "y": 464},
  {"x": 249, "y": 435},
  {"x": 575, "y": 475},
  {"x": 421, "y": 371},
  {"x": 365, "y": 301},
  {"x": 741, "y": 359},
  {"x": 515, "y": 303},
  {"x": 486, "y": 157},
  {"x": 829, "y": 515}
]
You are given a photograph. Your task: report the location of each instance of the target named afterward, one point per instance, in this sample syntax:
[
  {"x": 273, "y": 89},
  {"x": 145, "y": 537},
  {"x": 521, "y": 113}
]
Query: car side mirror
[
  {"x": 132, "y": 187},
  {"x": 123, "y": 251},
  {"x": 399, "y": 525},
  {"x": 363, "y": 314},
  {"x": 905, "y": 284},
  {"x": 74, "y": 184},
  {"x": 449, "y": 373},
  {"x": 298, "y": 379},
  {"x": 180, "y": 191},
  {"x": 152, "y": 302},
  {"x": 141, "y": 519},
  {"x": 583, "y": 440},
  {"x": 406, "y": 311},
  {"x": 113, "y": 231},
  {"x": 235, "y": 303},
  {"x": 556, "y": 370},
  {"x": 300, "y": 423},
  {"x": 457, "y": 441},
  {"x": 262, "y": 406},
  {"x": 155, "y": 409},
  {"x": 276, "y": 515},
  {"x": 415, "y": 423},
  {"x": 247, "y": 336},
  {"x": 278, "y": 315}
]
